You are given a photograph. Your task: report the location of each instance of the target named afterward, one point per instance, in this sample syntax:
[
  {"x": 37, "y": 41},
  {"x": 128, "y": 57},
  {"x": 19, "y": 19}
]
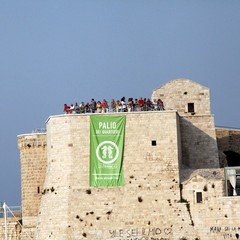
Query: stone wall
[
  {"x": 174, "y": 189},
  {"x": 216, "y": 217},
  {"x": 33, "y": 155},
  {"x": 70, "y": 209},
  {"x": 13, "y": 229},
  {"x": 154, "y": 203},
  {"x": 199, "y": 145},
  {"x": 228, "y": 139},
  {"x": 73, "y": 210}
]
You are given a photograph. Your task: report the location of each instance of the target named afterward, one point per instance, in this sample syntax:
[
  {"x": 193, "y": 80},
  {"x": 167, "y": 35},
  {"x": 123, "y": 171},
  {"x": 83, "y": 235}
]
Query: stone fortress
[{"x": 181, "y": 176}]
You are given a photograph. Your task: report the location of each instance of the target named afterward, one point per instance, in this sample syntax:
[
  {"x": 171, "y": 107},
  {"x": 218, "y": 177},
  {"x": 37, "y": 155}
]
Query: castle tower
[
  {"x": 71, "y": 209},
  {"x": 187, "y": 97},
  {"x": 33, "y": 157},
  {"x": 198, "y": 136}
]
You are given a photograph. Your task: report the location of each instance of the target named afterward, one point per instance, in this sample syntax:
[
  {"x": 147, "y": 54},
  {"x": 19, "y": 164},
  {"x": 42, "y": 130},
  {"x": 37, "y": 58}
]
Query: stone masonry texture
[
  {"x": 173, "y": 190},
  {"x": 33, "y": 154}
]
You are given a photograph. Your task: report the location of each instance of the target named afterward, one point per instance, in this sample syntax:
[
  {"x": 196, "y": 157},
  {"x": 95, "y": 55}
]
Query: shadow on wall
[
  {"x": 199, "y": 149},
  {"x": 229, "y": 147},
  {"x": 233, "y": 158}
]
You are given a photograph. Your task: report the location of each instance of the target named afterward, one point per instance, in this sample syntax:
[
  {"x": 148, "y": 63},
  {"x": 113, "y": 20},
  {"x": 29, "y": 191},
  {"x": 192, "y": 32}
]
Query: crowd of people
[{"x": 131, "y": 105}]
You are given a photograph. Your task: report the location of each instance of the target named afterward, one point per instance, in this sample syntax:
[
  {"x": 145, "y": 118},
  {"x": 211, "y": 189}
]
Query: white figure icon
[{"x": 107, "y": 151}]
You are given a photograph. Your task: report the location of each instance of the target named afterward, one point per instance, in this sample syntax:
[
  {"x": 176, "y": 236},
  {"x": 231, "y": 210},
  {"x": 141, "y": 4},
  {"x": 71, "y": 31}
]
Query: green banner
[{"x": 106, "y": 150}]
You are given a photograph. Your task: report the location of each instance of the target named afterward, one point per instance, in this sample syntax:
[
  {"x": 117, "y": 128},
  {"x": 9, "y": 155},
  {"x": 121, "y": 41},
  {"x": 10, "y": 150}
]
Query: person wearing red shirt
[
  {"x": 141, "y": 103},
  {"x": 66, "y": 109},
  {"x": 104, "y": 106}
]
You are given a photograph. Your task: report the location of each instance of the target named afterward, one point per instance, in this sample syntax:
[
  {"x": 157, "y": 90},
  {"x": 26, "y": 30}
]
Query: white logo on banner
[{"x": 105, "y": 152}]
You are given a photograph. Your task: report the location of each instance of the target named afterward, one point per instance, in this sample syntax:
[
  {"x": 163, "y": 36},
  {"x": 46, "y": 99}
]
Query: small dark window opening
[
  {"x": 191, "y": 107},
  {"x": 38, "y": 189},
  {"x": 199, "y": 197},
  {"x": 154, "y": 143}
]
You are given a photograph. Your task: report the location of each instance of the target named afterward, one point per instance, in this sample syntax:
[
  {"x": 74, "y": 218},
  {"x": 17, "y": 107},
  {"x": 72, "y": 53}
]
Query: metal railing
[
  {"x": 120, "y": 109},
  {"x": 39, "y": 130},
  {"x": 11, "y": 209}
]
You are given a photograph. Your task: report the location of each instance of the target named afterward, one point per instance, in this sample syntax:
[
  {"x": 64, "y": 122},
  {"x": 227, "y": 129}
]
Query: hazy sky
[{"x": 55, "y": 52}]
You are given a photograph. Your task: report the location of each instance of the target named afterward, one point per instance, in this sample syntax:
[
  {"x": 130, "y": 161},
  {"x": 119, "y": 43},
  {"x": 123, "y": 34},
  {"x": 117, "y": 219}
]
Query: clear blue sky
[{"x": 56, "y": 52}]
